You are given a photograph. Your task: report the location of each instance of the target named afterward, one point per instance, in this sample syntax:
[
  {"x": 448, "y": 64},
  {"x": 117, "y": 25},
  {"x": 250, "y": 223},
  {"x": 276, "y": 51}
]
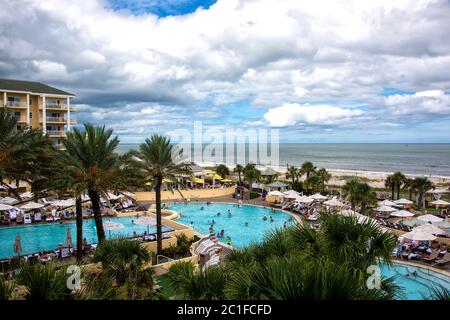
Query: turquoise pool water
[
  {"x": 234, "y": 225},
  {"x": 46, "y": 236},
  {"x": 415, "y": 287}
]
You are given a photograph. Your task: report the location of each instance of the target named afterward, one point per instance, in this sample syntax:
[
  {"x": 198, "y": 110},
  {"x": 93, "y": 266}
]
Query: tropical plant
[
  {"x": 439, "y": 293},
  {"x": 422, "y": 185},
  {"x": 6, "y": 289},
  {"x": 160, "y": 159},
  {"x": 395, "y": 182},
  {"x": 410, "y": 186},
  {"x": 324, "y": 177},
  {"x": 222, "y": 170},
  {"x": 251, "y": 174},
  {"x": 359, "y": 194},
  {"x": 293, "y": 174},
  {"x": 90, "y": 159},
  {"x": 390, "y": 183},
  {"x": 239, "y": 169},
  {"x": 307, "y": 168},
  {"x": 43, "y": 282},
  {"x": 312, "y": 184}
]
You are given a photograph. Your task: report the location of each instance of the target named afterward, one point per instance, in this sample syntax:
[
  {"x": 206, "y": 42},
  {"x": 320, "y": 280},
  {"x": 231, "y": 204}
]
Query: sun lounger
[
  {"x": 445, "y": 259},
  {"x": 433, "y": 255},
  {"x": 37, "y": 217},
  {"x": 204, "y": 245},
  {"x": 212, "y": 262},
  {"x": 49, "y": 219},
  {"x": 65, "y": 252},
  {"x": 26, "y": 218}
]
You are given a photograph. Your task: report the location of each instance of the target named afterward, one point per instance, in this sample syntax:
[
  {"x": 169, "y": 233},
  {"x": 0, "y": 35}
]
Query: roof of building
[{"x": 30, "y": 86}]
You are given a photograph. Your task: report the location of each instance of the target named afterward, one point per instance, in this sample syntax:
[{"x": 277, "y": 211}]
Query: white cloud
[
  {"x": 291, "y": 114},
  {"x": 421, "y": 102}
]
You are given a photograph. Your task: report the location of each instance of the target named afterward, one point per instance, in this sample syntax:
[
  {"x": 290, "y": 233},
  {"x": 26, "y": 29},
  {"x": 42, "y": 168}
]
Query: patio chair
[
  {"x": 65, "y": 253},
  {"x": 445, "y": 259},
  {"x": 37, "y": 217},
  {"x": 433, "y": 256},
  {"x": 26, "y": 218}
]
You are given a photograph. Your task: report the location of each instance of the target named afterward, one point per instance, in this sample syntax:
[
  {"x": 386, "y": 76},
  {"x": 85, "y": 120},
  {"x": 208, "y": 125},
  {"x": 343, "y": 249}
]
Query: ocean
[{"x": 422, "y": 159}]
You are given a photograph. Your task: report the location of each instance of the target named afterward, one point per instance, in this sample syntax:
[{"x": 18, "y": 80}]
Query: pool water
[
  {"x": 47, "y": 236},
  {"x": 234, "y": 225},
  {"x": 415, "y": 287}
]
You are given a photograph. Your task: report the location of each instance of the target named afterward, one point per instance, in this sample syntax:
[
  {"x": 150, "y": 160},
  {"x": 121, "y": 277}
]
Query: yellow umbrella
[
  {"x": 215, "y": 176},
  {"x": 148, "y": 183},
  {"x": 197, "y": 180},
  {"x": 227, "y": 180},
  {"x": 167, "y": 180}
]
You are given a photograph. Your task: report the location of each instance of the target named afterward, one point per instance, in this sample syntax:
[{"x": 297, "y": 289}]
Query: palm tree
[
  {"x": 312, "y": 184},
  {"x": 292, "y": 173},
  {"x": 409, "y": 185},
  {"x": 239, "y": 169},
  {"x": 390, "y": 183},
  {"x": 222, "y": 170},
  {"x": 421, "y": 185},
  {"x": 324, "y": 177},
  {"x": 399, "y": 179},
  {"x": 251, "y": 174},
  {"x": 91, "y": 160},
  {"x": 359, "y": 194},
  {"x": 161, "y": 160},
  {"x": 307, "y": 168}
]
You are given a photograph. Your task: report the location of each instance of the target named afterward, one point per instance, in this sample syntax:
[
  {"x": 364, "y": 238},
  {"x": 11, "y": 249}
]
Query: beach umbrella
[
  {"x": 438, "y": 191},
  {"x": 419, "y": 235},
  {"x": 18, "y": 245},
  {"x": 277, "y": 184},
  {"x": 291, "y": 193},
  {"x": 112, "y": 196},
  {"x": 4, "y": 207},
  {"x": 26, "y": 195},
  {"x": 69, "y": 237},
  {"x": 227, "y": 181},
  {"x": 129, "y": 194},
  {"x": 276, "y": 193},
  {"x": 360, "y": 217},
  {"x": 402, "y": 214},
  {"x": 440, "y": 203},
  {"x": 110, "y": 225},
  {"x": 32, "y": 206},
  {"x": 430, "y": 218},
  {"x": 388, "y": 203},
  {"x": 148, "y": 221},
  {"x": 403, "y": 201},
  {"x": 385, "y": 209},
  {"x": 304, "y": 199},
  {"x": 430, "y": 229},
  {"x": 8, "y": 200},
  {"x": 334, "y": 203},
  {"x": 290, "y": 196},
  {"x": 318, "y": 196}
]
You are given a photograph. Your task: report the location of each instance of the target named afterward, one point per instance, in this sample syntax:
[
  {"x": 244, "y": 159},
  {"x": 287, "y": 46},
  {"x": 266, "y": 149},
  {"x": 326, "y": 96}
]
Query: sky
[{"x": 317, "y": 71}]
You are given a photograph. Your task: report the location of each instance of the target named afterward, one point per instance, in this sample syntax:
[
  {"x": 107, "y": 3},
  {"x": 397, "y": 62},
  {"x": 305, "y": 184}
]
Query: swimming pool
[
  {"x": 46, "y": 236},
  {"x": 234, "y": 225},
  {"x": 415, "y": 287}
]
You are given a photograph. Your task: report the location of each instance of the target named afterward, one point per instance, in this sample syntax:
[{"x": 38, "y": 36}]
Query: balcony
[
  {"x": 21, "y": 119},
  {"x": 52, "y": 106},
  {"x": 59, "y": 120},
  {"x": 15, "y": 105},
  {"x": 56, "y": 133}
]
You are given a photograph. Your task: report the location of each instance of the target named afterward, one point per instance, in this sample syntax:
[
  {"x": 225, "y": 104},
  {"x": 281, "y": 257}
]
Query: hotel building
[{"x": 39, "y": 106}]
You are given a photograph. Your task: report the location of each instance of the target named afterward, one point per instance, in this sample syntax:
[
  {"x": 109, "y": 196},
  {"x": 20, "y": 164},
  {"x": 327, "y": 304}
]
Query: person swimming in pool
[
  {"x": 264, "y": 218},
  {"x": 246, "y": 224},
  {"x": 229, "y": 213},
  {"x": 213, "y": 222},
  {"x": 229, "y": 240},
  {"x": 201, "y": 208},
  {"x": 271, "y": 219},
  {"x": 222, "y": 233},
  {"x": 211, "y": 229}
]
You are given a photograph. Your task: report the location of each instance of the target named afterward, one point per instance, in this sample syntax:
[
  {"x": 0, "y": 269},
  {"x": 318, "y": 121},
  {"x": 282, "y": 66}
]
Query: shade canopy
[
  {"x": 214, "y": 176},
  {"x": 388, "y": 203},
  {"x": 4, "y": 207},
  {"x": 419, "y": 235},
  {"x": 430, "y": 229},
  {"x": 197, "y": 180},
  {"x": 32, "y": 206},
  {"x": 291, "y": 193},
  {"x": 8, "y": 200},
  {"x": 304, "y": 199},
  {"x": 430, "y": 218},
  {"x": 276, "y": 193},
  {"x": 385, "y": 209},
  {"x": 26, "y": 195},
  {"x": 226, "y": 180},
  {"x": 277, "y": 184},
  {"x": 440, "y": 203},
  {"x": 402, "y": 214},
  {"x": 334, "y": 203},
  {"x": 403, "y": 201},
  {"x": 318, "y": 196}
]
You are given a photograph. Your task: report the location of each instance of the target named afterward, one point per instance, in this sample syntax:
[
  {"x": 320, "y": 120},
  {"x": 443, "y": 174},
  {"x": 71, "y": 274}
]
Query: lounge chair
[
  {"x": 433, "y": 255},
  {"x": 445, "y": 259},
  {"x": 204, "y": 246},
  {"x": 49, "y": 218},
  {"x": 212, "y": 262},
  {"x": 26, "y": 218},
  {"x": 37, "y": 217},
  {"x": 65, "y": 253}
]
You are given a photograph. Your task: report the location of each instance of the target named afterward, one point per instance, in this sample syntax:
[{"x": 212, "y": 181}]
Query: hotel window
[
  {"x": 17, "y": 114},
  {"x": 31, "y": 115},
  {"x": 13, "y": 101},
  {"x": 30, "y": 102}
]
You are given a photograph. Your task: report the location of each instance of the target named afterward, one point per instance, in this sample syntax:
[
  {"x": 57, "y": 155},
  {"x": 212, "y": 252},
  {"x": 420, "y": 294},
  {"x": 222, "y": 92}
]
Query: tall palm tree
[
  {"x": 312, "y": 184},
  {"x": 91, "y": 160},
  {"x": 251, "y": 174},
  {"x": 307, "y": 168},
  {"x": 421, "y": 185},
  {"x": 399, "y": 179},
  {"x": 410, "y": 186},
  {"x": 292, "y": 173},
  {"x": 239, "y": 169},
  {"x": 324, "y": 177},
  {"x": 222, "y": 170},
  {"x": 161, "y": 160},
  {"x": 390, "y": 183},
  {"x": 359, "y": 194}
]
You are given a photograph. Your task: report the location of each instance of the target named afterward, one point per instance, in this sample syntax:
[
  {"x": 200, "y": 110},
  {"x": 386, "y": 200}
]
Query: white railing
[{"x": 56, "y": 133}]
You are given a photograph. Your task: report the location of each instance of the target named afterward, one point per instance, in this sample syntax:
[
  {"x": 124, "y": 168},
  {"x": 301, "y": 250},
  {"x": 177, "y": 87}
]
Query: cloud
[
  {"x": 292, "y": 114},
  {"x": 422, "y": 102}
]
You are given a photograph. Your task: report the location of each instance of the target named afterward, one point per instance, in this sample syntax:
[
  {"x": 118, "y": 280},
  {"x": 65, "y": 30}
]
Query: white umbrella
[
  {"x": 276, "y": 193},
  {"x": 360, "y": 217},
  {"x": 440, "y": 203},
  {"x": 8, "y": 200},
  {"x": 85, "y": 197},
  {"x": 290, "y": 194},
  {"x": 26, "y": 195},
  {"x": 334, "y": 203},
  {"x": 32, "y": 206},
  {"x": 430, "y": 218},
  {"x": 385, "y": 209},
  {"x": 304, "y": 199},
  {"x": 388, "y": 203},
  {"x": 112, "y": 196},
  {"x": 419, "y": 235},
  {"x": 4, "y": 207},
  {"x": 403, "y": 201},
  {"x": 318, "y": 196},
  {"x": 438, "y": 191},
  {"x": 129, "y": 194},
  {"x": 18, "y": 244},
  {"x": 69, "y": 238},
  {"x": 402, "y": 214},
  {"x": 110, "y": 225},
  {"x": 148, "y": 221},
  {"x": 430, "y": 229}
]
